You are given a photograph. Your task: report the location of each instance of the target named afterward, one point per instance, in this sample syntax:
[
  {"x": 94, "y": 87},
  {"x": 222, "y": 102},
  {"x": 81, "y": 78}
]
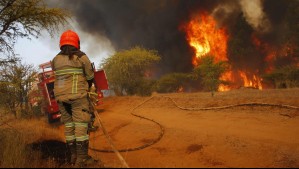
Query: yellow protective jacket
[{"x": 71, "y": 76}]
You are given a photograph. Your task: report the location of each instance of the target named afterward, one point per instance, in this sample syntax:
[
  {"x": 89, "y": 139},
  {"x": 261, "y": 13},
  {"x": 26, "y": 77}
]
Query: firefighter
[{"x": 73, "y": 77}]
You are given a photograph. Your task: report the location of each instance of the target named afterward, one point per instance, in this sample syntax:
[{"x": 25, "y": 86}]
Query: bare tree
[{"x": 15, "y": 84}]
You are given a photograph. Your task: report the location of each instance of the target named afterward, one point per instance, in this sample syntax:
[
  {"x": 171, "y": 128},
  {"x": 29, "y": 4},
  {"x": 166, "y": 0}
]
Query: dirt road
[{"x": 246, "y": 136}]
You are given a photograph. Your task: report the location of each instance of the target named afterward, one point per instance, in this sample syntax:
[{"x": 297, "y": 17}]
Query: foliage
[
  {"x": 285, "y": 77},
  {"x": 126, "y": 69},
  {"x": 145, "y": 88},
  {"x": 15, "y": 84},
  {"x": 292, "y": 20},
  {"x": 172, "y": 82},
  {"x": 22, "y": 19},
  {"x": 210, "y": 73},
  {"x": 25, "y": 18}
]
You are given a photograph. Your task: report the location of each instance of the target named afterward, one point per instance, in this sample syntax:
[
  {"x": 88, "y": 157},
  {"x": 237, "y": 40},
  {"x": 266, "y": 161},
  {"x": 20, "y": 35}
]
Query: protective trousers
[{"x": 76, "y": 117}]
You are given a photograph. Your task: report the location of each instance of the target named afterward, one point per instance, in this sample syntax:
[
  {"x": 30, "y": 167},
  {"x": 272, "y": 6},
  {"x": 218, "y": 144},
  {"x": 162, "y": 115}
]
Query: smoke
[
  {"x": 147, "y": 23},
  {"x": 154, "y": 24},
  {"x": 226, "y": 12},
  {"x": 254, "y": 14}
]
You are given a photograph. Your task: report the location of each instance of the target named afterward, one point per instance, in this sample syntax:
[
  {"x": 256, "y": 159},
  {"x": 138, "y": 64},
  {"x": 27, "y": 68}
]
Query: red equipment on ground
[{"x": 49, "y": 105}]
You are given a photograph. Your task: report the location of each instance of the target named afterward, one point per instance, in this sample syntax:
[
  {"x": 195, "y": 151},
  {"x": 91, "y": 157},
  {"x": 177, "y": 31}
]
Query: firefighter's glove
[
  {"x": 93, "y": 97},
  {"x": 92, "y": 89}
]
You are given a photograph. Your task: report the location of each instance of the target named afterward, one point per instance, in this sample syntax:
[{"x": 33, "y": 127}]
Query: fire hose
[
  {"x": 120, "y": 157},
  {"x": 231, "y": 106},
  {"x": 114, "y": 150},
  {"x": 162, "y": 128}
]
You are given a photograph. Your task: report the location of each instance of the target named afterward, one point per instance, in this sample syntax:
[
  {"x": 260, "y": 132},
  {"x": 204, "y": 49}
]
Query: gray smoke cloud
[{"x": 154, "y": 24}]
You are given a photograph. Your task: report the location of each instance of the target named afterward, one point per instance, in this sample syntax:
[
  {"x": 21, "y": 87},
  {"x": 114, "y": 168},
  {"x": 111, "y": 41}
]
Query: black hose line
[{"x": 162, "y": 130}]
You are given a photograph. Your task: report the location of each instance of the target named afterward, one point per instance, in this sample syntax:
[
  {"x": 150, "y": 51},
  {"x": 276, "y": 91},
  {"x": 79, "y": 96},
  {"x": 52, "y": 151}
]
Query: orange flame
[
  {"x": 255, "y": 81},
  {"x": 203, "y": 35},
  {"x": 227, "y": 76},
  {"x": 180, "y": 89},
  {"x": 206, "y": 39}
]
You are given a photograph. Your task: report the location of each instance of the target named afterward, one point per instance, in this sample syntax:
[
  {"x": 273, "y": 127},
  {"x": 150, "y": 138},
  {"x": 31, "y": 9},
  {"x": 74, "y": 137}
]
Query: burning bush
[
  {"x": 285, "y": 77},
  {"x": 210, "y": 73}
]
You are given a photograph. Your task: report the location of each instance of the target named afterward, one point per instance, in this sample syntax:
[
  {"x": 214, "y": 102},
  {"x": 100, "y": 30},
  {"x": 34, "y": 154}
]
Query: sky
[{"x": 45, "y": 48}]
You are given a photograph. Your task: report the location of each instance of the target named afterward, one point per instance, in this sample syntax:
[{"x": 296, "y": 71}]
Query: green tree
[
  {"x": 173, "y": 82},
  {"x": 15, "y": 84},
  {"x": 25, "y": 19},
  {"x": 210, "y": 73},
  {"x": 127, "y": 70}
]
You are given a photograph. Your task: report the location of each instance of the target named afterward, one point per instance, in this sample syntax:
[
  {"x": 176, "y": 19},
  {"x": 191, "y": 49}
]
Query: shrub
[{"x": 172, "y": 82}]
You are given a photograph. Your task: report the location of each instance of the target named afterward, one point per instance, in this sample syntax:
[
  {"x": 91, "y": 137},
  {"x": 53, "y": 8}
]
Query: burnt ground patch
[
  {"x": 53, "y": 150},
  {"x": 193, "y": 148}
]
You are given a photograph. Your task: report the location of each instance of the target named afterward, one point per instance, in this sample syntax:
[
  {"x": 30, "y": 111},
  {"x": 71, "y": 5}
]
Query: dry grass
[
  {"x": 39, "y": 130},
  {"x": 15, "y": 153},
  {"x": 16, "y": 138}
]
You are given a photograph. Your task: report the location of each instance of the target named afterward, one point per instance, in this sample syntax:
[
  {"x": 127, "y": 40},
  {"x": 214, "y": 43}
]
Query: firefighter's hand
[
  {"x": 93, "y": 97},
  {"x": 92, "y": 89}
]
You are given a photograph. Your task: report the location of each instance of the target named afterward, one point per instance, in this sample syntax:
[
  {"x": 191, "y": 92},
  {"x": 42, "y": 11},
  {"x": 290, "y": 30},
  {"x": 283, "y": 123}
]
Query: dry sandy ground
[
  {"x": 241, "y": 137},
  {"x": 247, "y": 136}
]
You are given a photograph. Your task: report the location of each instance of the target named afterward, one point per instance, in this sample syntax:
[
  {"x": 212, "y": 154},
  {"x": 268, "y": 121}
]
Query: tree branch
[{"x": 9, "y": 3}]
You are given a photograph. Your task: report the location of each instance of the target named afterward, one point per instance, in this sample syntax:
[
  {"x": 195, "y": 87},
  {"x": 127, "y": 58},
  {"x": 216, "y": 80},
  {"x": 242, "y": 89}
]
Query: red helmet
[{"x": 70, "y": 37}]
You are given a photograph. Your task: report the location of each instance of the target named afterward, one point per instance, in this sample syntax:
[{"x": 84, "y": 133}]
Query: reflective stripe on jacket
[
  {"x": 69, "y": 71},
  {"x": 71, "y": 76}
]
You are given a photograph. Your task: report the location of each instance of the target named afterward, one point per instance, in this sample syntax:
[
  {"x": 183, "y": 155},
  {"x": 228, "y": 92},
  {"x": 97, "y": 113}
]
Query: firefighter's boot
[
  {"x": 83, "y": 159},
  {"x": 71, "y": 152}
]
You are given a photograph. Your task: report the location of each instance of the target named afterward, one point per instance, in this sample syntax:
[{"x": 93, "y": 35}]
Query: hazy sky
[{"x": 43, "y": 49}]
